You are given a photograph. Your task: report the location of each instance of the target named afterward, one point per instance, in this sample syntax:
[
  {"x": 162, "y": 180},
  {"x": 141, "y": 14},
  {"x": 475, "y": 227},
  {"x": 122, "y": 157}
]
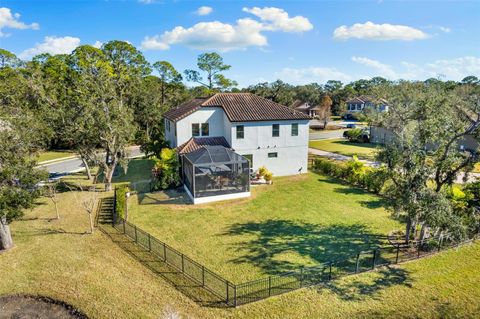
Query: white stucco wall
[
  {"x": 214, "y": 116},
  {"x": 292, "y": 151}
]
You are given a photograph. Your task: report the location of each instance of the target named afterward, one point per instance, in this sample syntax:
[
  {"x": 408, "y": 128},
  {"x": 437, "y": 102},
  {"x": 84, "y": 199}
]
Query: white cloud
[
  {"x": 372, "y": 31},
  {"x": 311, "y": 74},
  {"x": 382, "y": 69},
  {"x": 52, "y": 45},
  {"x": 278, "y": 19},
  {"x": 211, "y": 36},
  {"x": 216, "y": 35},
  {"x": 97, "y": 44},
  {"x": 9, "y": 20},
  {"x": 449, "y": 69},
  {"x": 204, "y": 10},
  {"x": 445, "y": 29},
  {"x": 146, "y": 1}
]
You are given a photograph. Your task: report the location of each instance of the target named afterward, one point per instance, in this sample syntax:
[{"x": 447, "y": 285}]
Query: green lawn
[
  {"x": 345, "y": 147},
  {"x": 53, "y": 155},
  {"x": 139, "y": 174},
  {"x": 299, "y": 220},
  {"x": 55, "y": 258}
]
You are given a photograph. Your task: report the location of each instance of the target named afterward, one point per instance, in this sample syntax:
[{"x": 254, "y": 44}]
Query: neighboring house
[
  {"x": 358, "y": 104},
  {"x": 305, "y": 108},
  {"x": 219, "y": 137}
]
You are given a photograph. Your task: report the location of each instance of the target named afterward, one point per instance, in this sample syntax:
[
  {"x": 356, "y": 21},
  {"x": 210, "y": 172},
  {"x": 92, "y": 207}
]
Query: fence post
[
  {"x": 439, "y": 243},
  {"x": 418, "y": 249},
  {"x": 183, "y": 264},
  {"x": 124, "y": 226},
  {"x": 374, "y": 259},
  {"x": 398, "y": 252},
  {"x": 226, "y": 284},
  {"x": 135, "y": 227},
  {"x": 203, "y": 276},
  {"x": 330, "y": 272},
  {"x": 164, "y": 252},
  {"x": 301, "y": 276},
  {"x": 357, "y": 263},
  {"x": 149, "y": 243},
  {"x": 269, "y": 285},
  {"x": 235, "y": 296}
]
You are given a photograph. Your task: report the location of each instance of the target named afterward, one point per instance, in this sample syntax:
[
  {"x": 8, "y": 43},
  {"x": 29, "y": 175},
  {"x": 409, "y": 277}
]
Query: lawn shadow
[
  {"x": 166, "y": 197},
  {"x": 269, "y": 241},
  {"x": 361, "y": 287},
  {"x": 173, "y": 276}
]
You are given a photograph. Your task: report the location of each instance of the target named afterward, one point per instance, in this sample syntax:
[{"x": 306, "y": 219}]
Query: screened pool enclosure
[{"x": 215, "y": 173}]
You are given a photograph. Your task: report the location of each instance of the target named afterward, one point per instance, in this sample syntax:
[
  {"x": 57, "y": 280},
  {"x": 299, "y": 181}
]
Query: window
[
  {"x": 196, "y": 129},
  {"x": 276, "y": 130},
  {"x": 167, "y": 125},
  {"x": 294, "y": 129},
  {"x": 273, "y": 155},
  {"x": 240, "y": 131},
  {"x": 205, "y": 130}
]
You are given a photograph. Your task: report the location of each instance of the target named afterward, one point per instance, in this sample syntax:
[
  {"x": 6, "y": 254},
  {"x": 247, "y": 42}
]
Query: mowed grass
[
  {"x": 138, "y": 174},
  {"x": 298, "y": 221},
  {"x": 56, "y": 258},
  {"x": 53, "y": 155},
  {"x": 345, "y": 147}
]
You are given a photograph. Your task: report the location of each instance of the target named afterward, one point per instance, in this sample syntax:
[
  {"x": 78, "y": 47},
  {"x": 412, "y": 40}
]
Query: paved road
[
  {"x": 325, "y": 135},
  {"x": 75, "y": 164}
]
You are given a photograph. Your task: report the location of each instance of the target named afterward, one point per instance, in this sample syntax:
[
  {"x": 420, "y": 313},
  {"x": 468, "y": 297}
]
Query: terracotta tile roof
[
  {"x": 239, "y": 107},
  {"x": 196, "y": 143},
  {"x": 184, "y": 109}
]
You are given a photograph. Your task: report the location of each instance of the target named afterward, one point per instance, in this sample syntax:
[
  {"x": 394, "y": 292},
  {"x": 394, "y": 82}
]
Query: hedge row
[
  {"x": 121, "y": 200},
  {"x": 354, "y": 172}
]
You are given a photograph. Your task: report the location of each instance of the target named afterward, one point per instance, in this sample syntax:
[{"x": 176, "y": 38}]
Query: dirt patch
[{"x": 22, "y": 306}]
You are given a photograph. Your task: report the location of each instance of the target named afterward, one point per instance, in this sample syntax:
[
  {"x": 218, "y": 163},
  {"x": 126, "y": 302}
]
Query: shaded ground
[{"x": 36, "y": 307}]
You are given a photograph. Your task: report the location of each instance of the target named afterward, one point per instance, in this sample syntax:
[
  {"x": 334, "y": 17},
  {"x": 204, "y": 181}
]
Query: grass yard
[
  {"x": 345, "y": 147},
  {"x": 53, "y": 155},
  {"x": 56, "y": 258},
  {"x": 139, "y": 173},
  {"x": 300, "y": 220}
]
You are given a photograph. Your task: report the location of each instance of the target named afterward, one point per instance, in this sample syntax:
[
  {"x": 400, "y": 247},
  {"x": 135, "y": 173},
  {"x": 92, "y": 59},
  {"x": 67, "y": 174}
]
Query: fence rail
[{"x": 238, "y": 294}]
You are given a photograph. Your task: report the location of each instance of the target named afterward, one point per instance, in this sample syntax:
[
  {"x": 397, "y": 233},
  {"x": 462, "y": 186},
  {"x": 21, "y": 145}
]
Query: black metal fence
[{"x": 238, "y": 294}]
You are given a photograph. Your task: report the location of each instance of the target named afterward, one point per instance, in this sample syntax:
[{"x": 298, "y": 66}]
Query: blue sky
[{"x": 296, "y": 41}]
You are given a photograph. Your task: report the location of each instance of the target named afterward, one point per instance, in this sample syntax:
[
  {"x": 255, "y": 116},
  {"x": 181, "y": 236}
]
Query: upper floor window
[
  {"x": 294, "y": 129},
  {"x": 167, "y": 124},
  {"x": 240, "y": 131},
  {"x": 276, "y": 130},
  {"x": 205, "y": 129},
  {"x": 195, "y": 129}
]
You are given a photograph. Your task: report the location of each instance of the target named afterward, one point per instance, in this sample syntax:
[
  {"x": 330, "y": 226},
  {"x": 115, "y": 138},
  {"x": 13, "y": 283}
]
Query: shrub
[
  {"x": 121, "y": 200},
  {"x": 268, "y": 176},
  {"x": 168, "y": 170},
  {"x": 355, "y": 172},
  {"x": 356, "y": 135}
]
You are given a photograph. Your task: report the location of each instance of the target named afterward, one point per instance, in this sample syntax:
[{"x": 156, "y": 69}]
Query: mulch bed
[{"x": 27, "y": 306}]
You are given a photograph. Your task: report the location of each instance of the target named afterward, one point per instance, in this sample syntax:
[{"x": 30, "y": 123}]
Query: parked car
[{"x": 351, "y": 125}]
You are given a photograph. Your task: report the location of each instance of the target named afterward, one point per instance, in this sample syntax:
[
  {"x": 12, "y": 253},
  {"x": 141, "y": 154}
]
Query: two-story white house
[{"x": 259, "y": 130}]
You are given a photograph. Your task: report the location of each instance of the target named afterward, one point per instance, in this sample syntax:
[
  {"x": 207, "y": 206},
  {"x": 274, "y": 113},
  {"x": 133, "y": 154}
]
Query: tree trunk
[
  {"x": 87, "y": 168},
  {"x": 91, "y": 222},
  {"x": 56, "y": 209},
  {"x": 423, "y": 231},
  {"x": 6, "y": 241},
  {"x": 408, "y": 229},
  {"x": 109, "y": 176}
]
